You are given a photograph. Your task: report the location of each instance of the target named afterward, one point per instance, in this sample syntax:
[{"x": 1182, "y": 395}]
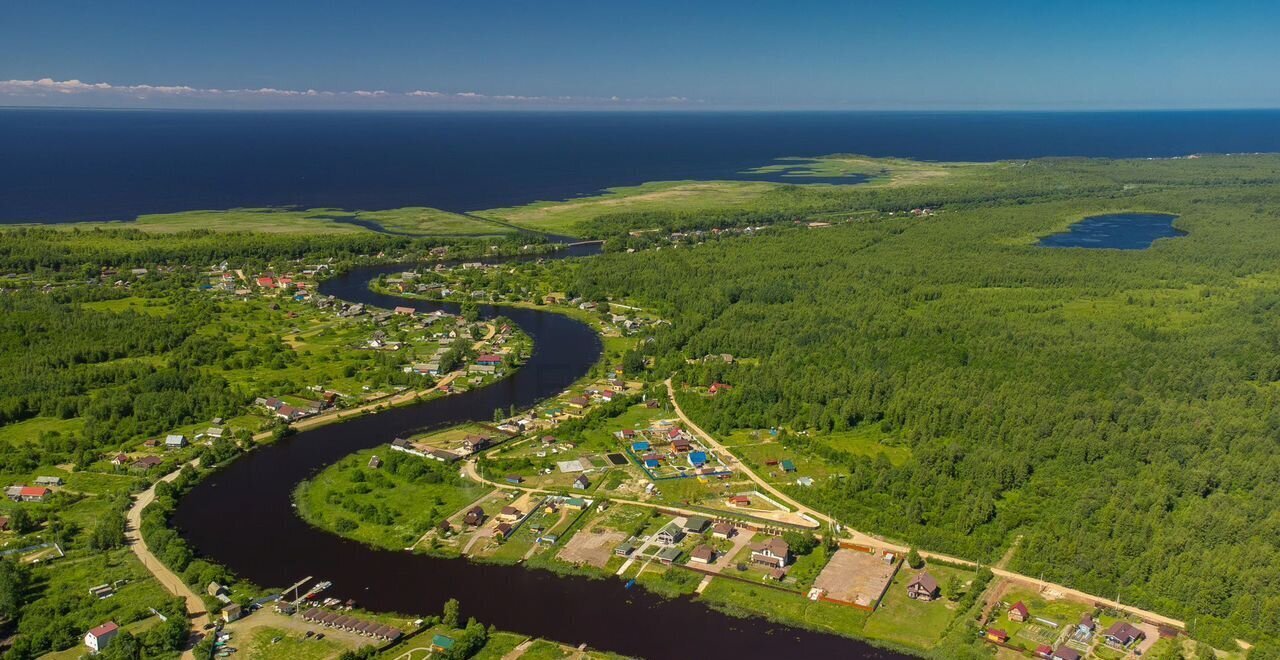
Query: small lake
[{"x": 1116, "y": 231}]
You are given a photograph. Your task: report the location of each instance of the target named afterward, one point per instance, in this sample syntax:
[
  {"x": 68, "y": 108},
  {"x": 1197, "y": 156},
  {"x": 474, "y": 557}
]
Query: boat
[{"x": 631, "y": 583}]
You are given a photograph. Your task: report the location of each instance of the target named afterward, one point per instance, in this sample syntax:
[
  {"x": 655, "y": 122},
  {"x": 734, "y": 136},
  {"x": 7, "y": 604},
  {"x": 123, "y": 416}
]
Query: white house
[{"x": 98, "y": 638}]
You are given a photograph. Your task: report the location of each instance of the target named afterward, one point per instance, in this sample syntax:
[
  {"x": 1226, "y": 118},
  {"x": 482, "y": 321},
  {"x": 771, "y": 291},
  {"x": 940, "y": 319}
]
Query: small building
[
  {"x": 652, "y": 463},
  {"x": 574, "y": 503},
  {"x": 1065, "y": 652},
  {"x": 444, "y": 528},
  {"x": 696, "y": 524},
  {"x": 723, "y": 530},
  {"x": 997, "y": 635},
  {"x": 1087, "y": 625},
  {"x": 703, "y": 554},
  {"x": 639, "y": 446},
  {"x": 48, "y": 481},
  {"x": 147, "y": 462},
  {"x": 681, "y": 445},
  {"x": 120, "y": 460},
  {"x": 669, "y": 535},
  {"x": 739, "y": 501},
  {"x": 923, "y": 587},
  {"x": 1044, "y": 651},
  {"x": 503, "y": 530},
  {"x": 775, "y": 552},
  {"x": 1123, "y": 633},
  {"x": 441, "y": 644},
  {"x": 787, "y": 465},
  {"x": 578, "y": 402},
  {"x": 515, "y": 479},
  {"x": 511, "y": 513},
  {"x": 1019, "y": 612},
  {"x": 582, "y": 482},
  {"x": 697, "y": 458},
  {"x": 374, "y": 462},
  {"x": 474, "y": 517},
  {"x": 28, "y": 493},
  {"x": 175, "y": 441},
  {"x": 490, "y": 359},
  {"x": 405, "y": 311},
  {"x": 214, "y": 589},
  {"x": 98, "y": 638},
  {"x": 231, "y": 613},
  {"x": 669, "y": 555},
  {"x": 625, "y": 548}
]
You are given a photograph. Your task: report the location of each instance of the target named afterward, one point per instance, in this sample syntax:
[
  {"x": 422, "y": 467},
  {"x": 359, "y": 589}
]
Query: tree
[
  {"x": 914, "y": 560},
  {"x": 108, "y": 532},
  {"x": 953, "y": 589},
  {"x": 451, "y": 613},
  {"x": 14, "y": 578}
]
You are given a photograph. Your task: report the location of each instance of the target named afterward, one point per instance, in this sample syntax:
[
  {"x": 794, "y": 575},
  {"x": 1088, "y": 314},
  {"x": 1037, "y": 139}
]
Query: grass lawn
[
  {"x": 913, "y": 623},
  {"x": 499, "y": 644},
  {"x": 277, "y": 644},
  {"x": 30, "y": 430},
  {"x": 741, "y": 599},
  {"x": 865, "y": 440},
  {"x": 544, "y": 650},
  {"x": 153, "y": 306},
  {"x": 390, "y": 507}
]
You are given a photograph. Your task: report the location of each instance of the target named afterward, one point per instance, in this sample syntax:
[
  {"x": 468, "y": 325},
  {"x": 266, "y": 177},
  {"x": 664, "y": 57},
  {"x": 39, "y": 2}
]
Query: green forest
[{"x": 1120, "y": 410}]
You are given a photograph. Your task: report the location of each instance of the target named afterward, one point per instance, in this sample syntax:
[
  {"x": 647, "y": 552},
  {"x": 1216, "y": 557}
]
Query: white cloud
[{"x": 47, "y": 91}]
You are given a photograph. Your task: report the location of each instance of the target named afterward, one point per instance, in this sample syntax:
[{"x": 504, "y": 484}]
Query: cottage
[
  {"x": 680, "y": 445},
  {"x": 475, "y": 443},
  {"x": 739, "y": 501},
  {"x": 640, "y": 446},
  {"x": 405, "y": 311},
  {"x": 503, "y": 530},
  {"x": 578, "y": 402},
  {"x": 28, "y": 493},
  {"x": 48, "y": 481},
  {"x": 1019, "y": 612},
  {"x": 669, "y": 555},
  {"x": 787, "y": 465},
  {"x": 444, "y": 528},
  {"x": 147, "y": 462},
  {"x": 1044, "y": 651},
  {"x": 703, "y": 554},
  {"x": 98, "y": 638},
  {"x": 515, "y": 479},
  {"x": 474, "y": 517},
  {"x": 669, "y": 535},
  {"x": 723, "y": 530},
  {"x": 489, "y": 359},
  {"x": 175, "y": 441},
  {"x": 923, "y": 587},
  {"x": 120, "y": 460},
  {"x": 231, "y": 613},
  {"x": 582, "y": 483},
  {"x": 716, "y": 388},
  {"x": 510, "y": 513},
  {"x": 1123, "y": 633},
  {"x": 697, "y": 458},
  {"x": 695, "y": 524},
  {"x": 214, "y": 589},
  {"x": 775, "y": 552},
  {"x": 1087, "y": 625},
  {"x": 625, "y": 548},
  {"x": 1065, "y": 652},
  {"x": 997, "y": 635}
]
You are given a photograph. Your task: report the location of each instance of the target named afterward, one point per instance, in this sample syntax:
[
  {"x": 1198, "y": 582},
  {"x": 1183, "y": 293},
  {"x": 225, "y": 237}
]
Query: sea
[{"x": 62, "y": 165}]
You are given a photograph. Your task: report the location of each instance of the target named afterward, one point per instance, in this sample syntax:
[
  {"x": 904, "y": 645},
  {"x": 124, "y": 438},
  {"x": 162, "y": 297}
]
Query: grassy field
[
  {"x": 409, "y": 221},
  {"x": 563, "y": 217},
  {"x": 388, "y": 510},
  {"x": 31, "y": 429},
  {"x": 913, "y": 623},
  {"x": 277, "y": 644}
]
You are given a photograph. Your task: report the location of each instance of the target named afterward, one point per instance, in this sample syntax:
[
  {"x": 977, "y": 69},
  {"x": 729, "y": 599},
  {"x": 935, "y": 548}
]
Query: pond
[{"x": 1117, "y": 231}]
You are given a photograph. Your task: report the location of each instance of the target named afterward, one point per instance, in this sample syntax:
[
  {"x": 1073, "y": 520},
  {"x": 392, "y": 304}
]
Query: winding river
[{"x": 242, "y": 517}]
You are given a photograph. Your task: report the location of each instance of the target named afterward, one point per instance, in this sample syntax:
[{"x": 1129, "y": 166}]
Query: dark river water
[
  {"x": 242, "y": 517},
  {"x": 1117, "y": 231}
]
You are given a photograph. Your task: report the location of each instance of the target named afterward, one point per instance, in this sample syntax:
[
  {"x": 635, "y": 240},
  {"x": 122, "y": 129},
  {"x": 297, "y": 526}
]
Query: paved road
[{"x": 166, "y": 577}]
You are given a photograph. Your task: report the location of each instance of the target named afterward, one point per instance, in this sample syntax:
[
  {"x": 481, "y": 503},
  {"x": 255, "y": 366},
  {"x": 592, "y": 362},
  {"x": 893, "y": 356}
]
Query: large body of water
[
  {"x": 267, "y": 543},
  {"x": 62, "y": 165}
]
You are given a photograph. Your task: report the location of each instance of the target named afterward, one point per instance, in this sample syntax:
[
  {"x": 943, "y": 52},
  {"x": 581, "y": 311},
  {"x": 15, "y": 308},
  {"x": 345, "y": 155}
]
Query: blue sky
[{"x": 607, "y": 54}]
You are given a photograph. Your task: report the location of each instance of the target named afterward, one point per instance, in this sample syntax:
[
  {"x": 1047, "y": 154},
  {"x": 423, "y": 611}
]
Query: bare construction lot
[
  {"x": 592, "y": 548},
  {"x": 855, "y": 577}
]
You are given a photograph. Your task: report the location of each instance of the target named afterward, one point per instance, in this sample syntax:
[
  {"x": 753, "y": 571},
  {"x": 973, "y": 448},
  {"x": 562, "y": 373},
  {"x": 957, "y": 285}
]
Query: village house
[
  {"x": 669, "y": 535},
  {"x": 723, "y": 530},
  {"x": 579, "y": 402},
  {"x": 680, "y": 445},
  {"x": 1019, "y": 612},
  {"x": 510, "y": 513},
  {"x": 739, "y": 501},
  {"x": 625, "y": 548},
  {"x": 669, "y": 555},
  {"x": 28, "y": 493},
  {"x": 48, "y": 481},
  {"x": 997, "y": 635},
  {"x": 775, "y": 552},
  {"x": 923, "y": 587},
  {"x": 1044, "y": 651},
  {"x": 703, "y": 554},
  {"x": 231, "y": 612},
  {"x": 695, "y": 524},
  {"x": 474, "y": 517},
  {"x": 1065, "y": 652},
  {"x": 147, "y": 462},
  {"x": 441, "y": 644},
  {"x": 120, "y": 460},
  {"x": 474, "y": 443},
  {"x": 515, "y": 479},
  {"x": 503, "y": 530},
  {"x": 175, "y": 441},
  {"x": 98, "y": 638},
  {"x": 1123, "y": 633},
  {"x": 374, "y": 462},
  {"x": 1087, "y": 625},
  {"x": 405, "y": 311}
]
